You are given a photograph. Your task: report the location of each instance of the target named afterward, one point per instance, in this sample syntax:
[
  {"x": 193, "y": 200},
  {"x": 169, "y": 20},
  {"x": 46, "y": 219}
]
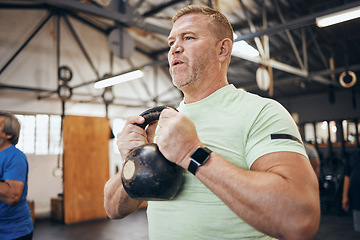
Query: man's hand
[
  {"x": 177, "y": 138},
  {"x": 133, "y": 136}
]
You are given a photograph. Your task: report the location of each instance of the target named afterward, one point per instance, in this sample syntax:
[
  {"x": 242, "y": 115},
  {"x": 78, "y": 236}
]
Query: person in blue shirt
[{"x": 15, "y": 217}]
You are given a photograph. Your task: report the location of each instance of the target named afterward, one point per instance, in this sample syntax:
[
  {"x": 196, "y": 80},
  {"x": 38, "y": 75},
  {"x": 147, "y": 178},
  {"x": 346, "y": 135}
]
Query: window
[
  {"x": 309, "y": 133},
  {"x": 339, "y": 130},
  {"x": 40, "y": 134},
  {"x": 322, "y": 132},
  {"x": 333, "y": 131},
  {"x": 350, "y": 130},
  {"x": 55, "y": 143},
  {"x": 323, "y": 129}
]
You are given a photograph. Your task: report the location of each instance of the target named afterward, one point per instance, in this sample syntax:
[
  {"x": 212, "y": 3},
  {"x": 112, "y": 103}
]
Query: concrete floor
[{"x": 134, "y": 227}]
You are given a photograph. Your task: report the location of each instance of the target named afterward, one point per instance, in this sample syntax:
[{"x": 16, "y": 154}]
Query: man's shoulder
[{"x": 13, "y": 152}]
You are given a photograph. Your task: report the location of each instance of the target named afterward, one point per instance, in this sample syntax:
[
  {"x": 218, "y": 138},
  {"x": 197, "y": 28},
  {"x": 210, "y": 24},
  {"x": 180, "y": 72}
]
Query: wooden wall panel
[{"x": 86, "y": 167}]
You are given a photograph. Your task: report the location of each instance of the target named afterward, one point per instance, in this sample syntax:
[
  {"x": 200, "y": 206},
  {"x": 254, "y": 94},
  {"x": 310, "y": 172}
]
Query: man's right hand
[{"x": 133, "y": 136}]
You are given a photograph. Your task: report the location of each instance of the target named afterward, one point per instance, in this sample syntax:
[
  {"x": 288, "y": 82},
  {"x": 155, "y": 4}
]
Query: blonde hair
[{"x": 221, "y": 25}]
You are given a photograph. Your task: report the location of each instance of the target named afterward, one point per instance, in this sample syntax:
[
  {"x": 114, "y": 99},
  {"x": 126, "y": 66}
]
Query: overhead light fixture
[
  {"x": 119, "y": 79},
  {"x": 338, "y": 17},
  {"x": 244, "y": 48}
]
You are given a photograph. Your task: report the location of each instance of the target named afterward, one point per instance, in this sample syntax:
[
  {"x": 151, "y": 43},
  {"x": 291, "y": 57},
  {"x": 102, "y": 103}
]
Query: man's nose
[{"x": 176, "y": 48}]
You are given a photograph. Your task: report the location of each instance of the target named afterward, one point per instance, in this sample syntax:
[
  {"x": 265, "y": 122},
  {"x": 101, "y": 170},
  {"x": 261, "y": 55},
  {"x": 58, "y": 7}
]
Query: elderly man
[{"x": 15, "y": 219}]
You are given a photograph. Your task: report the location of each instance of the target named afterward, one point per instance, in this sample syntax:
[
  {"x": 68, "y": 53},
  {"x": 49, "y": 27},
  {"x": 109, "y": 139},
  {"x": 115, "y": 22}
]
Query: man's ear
[
  {"x": 225, "y": 49},
  {"x": 8, "y": 136}
]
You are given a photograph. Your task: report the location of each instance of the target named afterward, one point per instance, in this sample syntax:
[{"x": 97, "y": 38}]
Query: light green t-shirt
[{"x": 239, "y": 126}]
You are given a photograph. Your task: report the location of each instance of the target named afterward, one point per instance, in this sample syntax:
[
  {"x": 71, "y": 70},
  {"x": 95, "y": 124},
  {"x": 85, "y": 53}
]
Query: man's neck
[
  {"x": 5, "y": 145},
  {"x": 195, "y": 95}
]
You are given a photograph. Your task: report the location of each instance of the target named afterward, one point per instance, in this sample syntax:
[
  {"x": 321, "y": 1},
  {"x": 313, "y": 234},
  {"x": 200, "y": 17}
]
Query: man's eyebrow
[{"x": 182, "y": 34}]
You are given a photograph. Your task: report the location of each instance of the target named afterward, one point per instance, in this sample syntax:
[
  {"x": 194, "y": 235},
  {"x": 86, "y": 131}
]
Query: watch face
[{"x": 200, "y": 155}]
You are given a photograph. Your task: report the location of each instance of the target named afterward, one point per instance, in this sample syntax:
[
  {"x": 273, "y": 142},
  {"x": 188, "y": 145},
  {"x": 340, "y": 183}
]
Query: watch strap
[{"x": 193, "y": 166}]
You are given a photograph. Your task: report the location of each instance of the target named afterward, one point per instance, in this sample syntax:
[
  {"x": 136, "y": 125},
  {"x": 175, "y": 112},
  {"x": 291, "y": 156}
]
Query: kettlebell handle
[{"x": 152, "y": 115}]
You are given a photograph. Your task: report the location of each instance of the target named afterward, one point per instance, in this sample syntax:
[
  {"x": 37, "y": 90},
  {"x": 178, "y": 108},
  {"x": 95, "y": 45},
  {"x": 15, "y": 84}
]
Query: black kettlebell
[{"x": 146, "y": 173}]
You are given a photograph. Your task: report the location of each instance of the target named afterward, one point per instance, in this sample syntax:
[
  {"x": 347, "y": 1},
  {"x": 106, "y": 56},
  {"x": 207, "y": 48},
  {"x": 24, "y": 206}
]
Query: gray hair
[{"x": 11, "y": 127}]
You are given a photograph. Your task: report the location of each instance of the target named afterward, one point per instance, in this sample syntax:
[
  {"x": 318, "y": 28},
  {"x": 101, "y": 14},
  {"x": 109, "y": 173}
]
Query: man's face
[{"x": 192, "y": 50}]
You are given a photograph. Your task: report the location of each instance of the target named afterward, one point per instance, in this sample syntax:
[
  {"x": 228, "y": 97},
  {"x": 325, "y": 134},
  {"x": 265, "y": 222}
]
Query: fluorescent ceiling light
[
  {"x": 119, "y": 79},
  {"x": 244, "y": 48},
  {"x": 338, "y": 17}
]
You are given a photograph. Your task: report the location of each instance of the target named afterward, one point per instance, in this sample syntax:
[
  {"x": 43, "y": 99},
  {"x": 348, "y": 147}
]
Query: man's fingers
[
  {"x": 150, "y": 131},
  {"x": 135, "y": 119},
  {"x": 168, "y": 112}
]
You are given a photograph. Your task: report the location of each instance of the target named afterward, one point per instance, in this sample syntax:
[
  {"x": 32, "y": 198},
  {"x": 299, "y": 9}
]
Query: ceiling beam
[
  {"x": 22, "y": 6},
  {"x": 86, "y": 8},
  {"x": 297, "y": 23},
  {"x": 273, "y": 63},
  {"x": 5, "y": 86},
  {"x": 43, "y": 22},
  {"x": 160, "y": 7},
  {"x": 130, "y": 18}
]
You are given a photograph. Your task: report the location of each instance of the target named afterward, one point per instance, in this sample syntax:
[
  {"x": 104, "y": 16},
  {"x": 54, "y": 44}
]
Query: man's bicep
[{"x": 286, "y": 164}]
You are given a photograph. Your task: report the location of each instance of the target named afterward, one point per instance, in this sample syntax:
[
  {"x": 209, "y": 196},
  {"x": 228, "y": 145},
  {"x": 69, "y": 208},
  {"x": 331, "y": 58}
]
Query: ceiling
[{"x": 299, "y": 54}]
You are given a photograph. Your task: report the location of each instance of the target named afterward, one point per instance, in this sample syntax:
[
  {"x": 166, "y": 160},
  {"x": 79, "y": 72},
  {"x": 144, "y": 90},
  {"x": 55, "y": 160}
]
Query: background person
[
  {"x": 15, "y": 218},
  {"x": 257, "y": 182},
  {"x": 352, "y": 187},
  {"x": 311, "y": 151}
]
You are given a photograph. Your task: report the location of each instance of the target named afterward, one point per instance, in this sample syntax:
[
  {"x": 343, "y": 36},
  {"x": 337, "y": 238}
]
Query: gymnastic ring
[{"x": 350, "y": 84}]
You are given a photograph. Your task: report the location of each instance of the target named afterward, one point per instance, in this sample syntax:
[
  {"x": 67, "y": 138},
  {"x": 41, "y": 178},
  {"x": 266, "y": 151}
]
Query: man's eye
[
  {"x": 188, "y": 38},
  {"x": 170, "y": 44}
]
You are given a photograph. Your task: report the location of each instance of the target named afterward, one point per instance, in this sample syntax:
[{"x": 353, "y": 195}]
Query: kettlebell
[{"x": 146, "y": 173}]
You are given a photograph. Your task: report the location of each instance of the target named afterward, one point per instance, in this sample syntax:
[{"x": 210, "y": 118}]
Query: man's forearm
[
  {"x": 8, "y": 193},
  {"x": 346, "y": 186},
  {"x": 117, "y": 202},
  {"x": 267, "y": 201}
]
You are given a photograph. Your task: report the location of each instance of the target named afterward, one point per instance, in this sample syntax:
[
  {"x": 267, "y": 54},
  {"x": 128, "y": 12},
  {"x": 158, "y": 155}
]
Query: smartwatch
[{"x": 198, "y": 158}]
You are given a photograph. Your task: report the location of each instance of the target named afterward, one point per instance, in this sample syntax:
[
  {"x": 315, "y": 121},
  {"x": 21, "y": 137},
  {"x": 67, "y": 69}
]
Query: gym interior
[{"x": 55, "y": 56}]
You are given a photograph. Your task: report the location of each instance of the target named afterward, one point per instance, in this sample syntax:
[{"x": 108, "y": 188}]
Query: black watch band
[{"x": 198, "y": 158}]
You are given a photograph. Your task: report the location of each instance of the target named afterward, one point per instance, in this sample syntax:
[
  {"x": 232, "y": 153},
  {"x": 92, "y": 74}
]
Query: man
[
  {"x": 351, "y": 188},
  {"x": 310, "y": 150},
  {"x": 15, "y": 219},
  {"x": 256, "y": 183}
]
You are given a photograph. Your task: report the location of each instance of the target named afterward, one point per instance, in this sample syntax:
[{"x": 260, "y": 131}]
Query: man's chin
[
  {"x": 179, "y": 82},
  {"x": 184, "y": 86}
]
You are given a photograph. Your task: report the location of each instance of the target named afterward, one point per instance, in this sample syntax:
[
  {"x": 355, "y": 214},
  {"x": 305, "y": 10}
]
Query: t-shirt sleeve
[
  {"x": 273, "y": 130},
  {"x": 16, "y": 169}
]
